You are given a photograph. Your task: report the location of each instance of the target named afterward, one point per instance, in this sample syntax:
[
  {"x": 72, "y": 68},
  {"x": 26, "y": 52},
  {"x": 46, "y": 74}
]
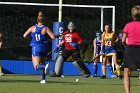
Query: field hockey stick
[
  {"x": 118, "y": 68},
  {"x": 53, "y": 51},
  {"x": 50, "y": 52},
  {"x": 97, "y": 57},
  {"x": 93, "y": 59}
]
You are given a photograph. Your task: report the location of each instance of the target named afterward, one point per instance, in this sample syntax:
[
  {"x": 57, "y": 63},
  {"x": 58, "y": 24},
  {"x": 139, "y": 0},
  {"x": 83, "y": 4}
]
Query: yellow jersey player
[{"x": 109, "y": 39}]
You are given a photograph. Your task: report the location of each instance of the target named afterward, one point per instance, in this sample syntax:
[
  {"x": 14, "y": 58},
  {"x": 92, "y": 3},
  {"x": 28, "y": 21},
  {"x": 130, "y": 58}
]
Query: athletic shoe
[
  {"x": 120, "y": 77},
  {"x": 42, "y": 81},
  {"x": 86, "y": 75},
  {"x": 1, "y": 73},
  {"x": 95, "y": 75},
  {"x": 139, "y": 77},
  {"x": 103, "y": 77},
  {"x": 54, "y": 75},
  {"x": 113, "y": 76},
  {"x": 47, "y": 68}
]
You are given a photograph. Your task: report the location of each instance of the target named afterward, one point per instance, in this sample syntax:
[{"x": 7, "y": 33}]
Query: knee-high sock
[
  {"x": 104, "y": 70},
  {"x": 110, "y": 68},
  {"x": 43, "y": 76},
  {"x": 95, "y": 69},
  {"x": 118, "y": 70},
  {"x": 40, "y": 66}
]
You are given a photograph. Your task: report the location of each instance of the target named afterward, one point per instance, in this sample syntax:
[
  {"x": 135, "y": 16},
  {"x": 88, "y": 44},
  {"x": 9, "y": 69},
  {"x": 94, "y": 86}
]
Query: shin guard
[
  {"x": 82, "y": 68},
  {"x": 58, "y": 65}
]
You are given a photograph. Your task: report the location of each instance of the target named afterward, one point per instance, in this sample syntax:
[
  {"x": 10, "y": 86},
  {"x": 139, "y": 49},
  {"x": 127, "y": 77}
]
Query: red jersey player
[{"x": 71, "y": 41}]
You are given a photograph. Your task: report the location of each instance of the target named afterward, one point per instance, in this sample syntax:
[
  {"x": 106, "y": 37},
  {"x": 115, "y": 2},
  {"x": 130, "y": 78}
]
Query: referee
[{"x": 131, "y": 32}]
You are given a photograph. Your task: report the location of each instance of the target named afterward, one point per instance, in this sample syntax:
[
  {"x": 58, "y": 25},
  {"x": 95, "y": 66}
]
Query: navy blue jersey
[
  {"x": 98, "y": 46},
  {"x": 38, "y": 38},
  {"x": 98, "y": 43}
]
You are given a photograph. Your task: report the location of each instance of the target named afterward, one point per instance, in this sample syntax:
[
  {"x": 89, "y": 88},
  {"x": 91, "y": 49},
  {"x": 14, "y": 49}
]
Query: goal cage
[{"x": 17, "y": 17}]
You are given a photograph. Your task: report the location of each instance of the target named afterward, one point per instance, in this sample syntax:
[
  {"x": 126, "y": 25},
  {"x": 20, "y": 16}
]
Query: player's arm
[
  {"x": 50, "y": 33},
  {"x": 94, "y": 46},
  {"x": 79, "y": 39},
  {"x": 102, "y": 42},
  {"x": 27, "y": 32},
  {"x": 0, "y": 40},
  {"x": 124, "y": 37}
]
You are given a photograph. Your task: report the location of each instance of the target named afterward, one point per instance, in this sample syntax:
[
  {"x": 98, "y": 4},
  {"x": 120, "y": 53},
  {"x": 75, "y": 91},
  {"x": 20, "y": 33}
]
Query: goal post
[{"x": 69, "y": 5}]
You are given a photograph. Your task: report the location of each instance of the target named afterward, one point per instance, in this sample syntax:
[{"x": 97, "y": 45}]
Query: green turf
[{"x": 68, "y": 84}]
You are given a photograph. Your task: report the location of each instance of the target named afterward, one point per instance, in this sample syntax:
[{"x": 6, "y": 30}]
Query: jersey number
[
  {"x": 68, "y": 39},
  {"x": 37, "y": 37}
]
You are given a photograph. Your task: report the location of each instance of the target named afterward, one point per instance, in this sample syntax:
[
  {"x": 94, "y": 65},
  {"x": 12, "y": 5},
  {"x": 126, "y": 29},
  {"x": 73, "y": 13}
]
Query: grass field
[{"x": 68, "y": 84}]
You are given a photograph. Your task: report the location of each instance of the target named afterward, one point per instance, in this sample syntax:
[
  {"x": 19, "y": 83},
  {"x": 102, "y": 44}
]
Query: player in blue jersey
[
  {"x": 97, "y": 48},
  {"x": 39, "y": 34}
]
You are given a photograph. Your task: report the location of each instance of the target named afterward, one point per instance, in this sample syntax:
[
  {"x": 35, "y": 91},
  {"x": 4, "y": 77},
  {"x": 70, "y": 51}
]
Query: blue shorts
[
  {"x": 39, "y": 51},
  {"x": 108, "y": 49}
]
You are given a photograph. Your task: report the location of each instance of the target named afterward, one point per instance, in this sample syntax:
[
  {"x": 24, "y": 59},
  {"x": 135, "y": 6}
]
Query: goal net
[{"x": 15, "y": 19}]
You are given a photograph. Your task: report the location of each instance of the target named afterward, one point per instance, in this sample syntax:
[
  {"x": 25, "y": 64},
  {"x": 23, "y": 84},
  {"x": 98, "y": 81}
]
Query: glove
[
  {"x": 56, "y": 50},
  {"x": 74, "y": 44}
]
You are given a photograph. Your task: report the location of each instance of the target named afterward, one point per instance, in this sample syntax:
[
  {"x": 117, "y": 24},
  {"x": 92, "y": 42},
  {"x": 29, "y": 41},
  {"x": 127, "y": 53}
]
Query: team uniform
[
  {"x": 39, "y": 49},
  {"x": 97, "y": 52},
  {"x": 69, "y": 37},
  {"x": 109, "y": 46},
  {"x": 109, "y": 50},
  {"x": 39, "y": 42}
]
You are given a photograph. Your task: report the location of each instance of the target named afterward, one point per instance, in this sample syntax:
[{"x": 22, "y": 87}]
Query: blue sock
[
  {"x": 40, "y": 66},
  {"x": 94, "y": 69},
  {"x": 110, "y": 68},
  {"x": 43, "y": 74}
]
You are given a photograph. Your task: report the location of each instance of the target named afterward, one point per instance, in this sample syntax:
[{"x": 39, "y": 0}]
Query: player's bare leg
[
  {"x": 39, "y": 64},
  {"x": 126, "y": 80}
]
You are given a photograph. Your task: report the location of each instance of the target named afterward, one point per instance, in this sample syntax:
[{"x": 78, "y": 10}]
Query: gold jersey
[{"x": 109, "y": 38}]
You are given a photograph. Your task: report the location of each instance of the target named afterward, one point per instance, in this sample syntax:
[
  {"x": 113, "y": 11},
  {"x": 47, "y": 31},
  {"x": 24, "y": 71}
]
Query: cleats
[
  {"x": 1, "y": 73},
  {"x": 42, "y": 81},
  {"x": 86, "y": 75},
  {"x": 95, "y": 75},
  {"x": 113, "y": 76},
  {"x": 54, "y": 75},
  {"x": 103, "y": 77},
  {"x": 120, "y": 77}
]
